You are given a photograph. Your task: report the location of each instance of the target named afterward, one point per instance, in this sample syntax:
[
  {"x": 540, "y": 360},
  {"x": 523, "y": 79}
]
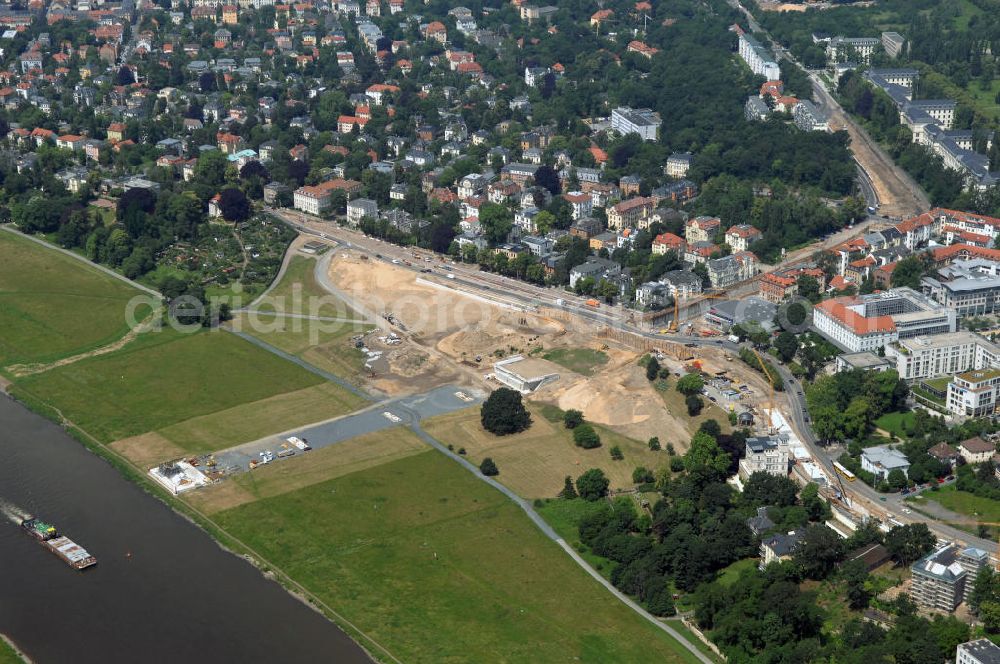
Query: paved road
[{"x": 97, "y": 266}]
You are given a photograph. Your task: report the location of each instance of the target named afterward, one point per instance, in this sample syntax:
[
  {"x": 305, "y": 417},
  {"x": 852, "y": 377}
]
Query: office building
[
  {"x": 974, "y": 393},
  {"x": 923, "y": 357},
  {"x": 641, "y": 121},
  {"x": 759, "y": 59}
]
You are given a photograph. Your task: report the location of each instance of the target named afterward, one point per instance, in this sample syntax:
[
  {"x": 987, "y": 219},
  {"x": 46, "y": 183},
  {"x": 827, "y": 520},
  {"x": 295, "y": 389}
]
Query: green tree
[
  {"x": 706, "y": 461},
  {"x": 763, "y": 488},
  {"x": 694, "y": 404},
  {"x": 568, "y": 491},
  {"x": 816, "y": 508},
  {"x": 818, "y": 551},
  {"x": 572, "y": 418},
  {"x": 488, "y": 468},
  {"x": 908, "y": 272},
  {"x": 808, "y": 287},
  {"x": 652, "y": 369},
  {"x": 496, "y": 222},
  {"x": 234, "y": 205},
  {"x": 689, "y": 384},
  {"x": 592, "y": 485},
  {"x": 896, "y": 479},
  {"x": 854, "y": 576},
  {"x": 504, "y": 413},
  {"x": 584, "y": 436},
  {"x": 908, "y": 543},
  {"x": 616, "y": 453},
  {"x": 787, "y": 345},
  {"x": 642, "y": 475}
]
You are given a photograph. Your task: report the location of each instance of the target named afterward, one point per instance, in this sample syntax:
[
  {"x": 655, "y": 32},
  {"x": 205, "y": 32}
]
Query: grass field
[
  {"x": 535, "y": 463},
  {"x": 674, "y": 401},
  {"x": 975, "y": 507},
  {"x": 299, "y": 293},
  {"x": 323, "y": 344},
  {"x": 164, "y": 378},
  {"x": 438, "y": 567},
  {"x": 584, "y": 361},
  {"x": 895, "y": 422},
  {"x": 53, "y": 306},
  {"x": 8, "y": 654}
]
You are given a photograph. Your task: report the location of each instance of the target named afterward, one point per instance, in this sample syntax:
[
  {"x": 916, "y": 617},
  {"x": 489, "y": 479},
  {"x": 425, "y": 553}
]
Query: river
[{"x": 176, "y": 598}]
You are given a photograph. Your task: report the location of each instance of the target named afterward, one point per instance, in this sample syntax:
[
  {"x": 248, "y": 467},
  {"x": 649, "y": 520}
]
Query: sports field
[
  {"x": 438, "y": 567},
  {"x": 165, "y": 378},
  {"x": 53, "y": 306},
  {"x": 535, "y": 463}
]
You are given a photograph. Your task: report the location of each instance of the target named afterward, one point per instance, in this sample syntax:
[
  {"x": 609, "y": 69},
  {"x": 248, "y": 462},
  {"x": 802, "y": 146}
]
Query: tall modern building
[
  {"x": 943, "y": 578},
  {"x": 640, "y": 121}
]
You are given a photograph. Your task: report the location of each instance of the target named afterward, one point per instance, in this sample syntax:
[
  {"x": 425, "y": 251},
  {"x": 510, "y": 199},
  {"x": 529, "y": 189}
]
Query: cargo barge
[{"x": 71, "y": 553}]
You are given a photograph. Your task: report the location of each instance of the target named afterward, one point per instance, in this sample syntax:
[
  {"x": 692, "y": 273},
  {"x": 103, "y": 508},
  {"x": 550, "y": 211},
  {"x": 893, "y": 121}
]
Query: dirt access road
[{"x": 898, "y": 194}]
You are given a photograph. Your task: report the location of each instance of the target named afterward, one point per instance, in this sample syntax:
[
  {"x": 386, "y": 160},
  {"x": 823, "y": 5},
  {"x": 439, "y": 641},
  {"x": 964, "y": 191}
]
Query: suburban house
[
  {"x": 882, "y": 460},
  {"x": 976, "y": 450}
]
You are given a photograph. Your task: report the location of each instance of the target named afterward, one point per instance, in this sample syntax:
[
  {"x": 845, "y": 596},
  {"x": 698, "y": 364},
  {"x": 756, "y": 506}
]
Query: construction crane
[
  {"x": 675, "y": 323},
  {"x": 770, "y": 381}
]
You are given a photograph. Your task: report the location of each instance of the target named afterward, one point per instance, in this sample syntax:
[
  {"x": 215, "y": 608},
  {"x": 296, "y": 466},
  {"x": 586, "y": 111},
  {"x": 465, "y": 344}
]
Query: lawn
[
  {"x": 896, "y": 423},
  {"x": 8, "y": 655},
  {"x": 299, "y": 293},
  {"x": 674, "y": 402},
  {"x": 53, "y": 306},
  {"x": 439, "y": 567},
  {"x": 731, "y": 574},
  {"x": 324, "y": 344},
  {"x": 963, "y": 502},
  {"x": 166, "y": 377},
  {"x": 534, "y": 463},
  {"x": 584, "y": 361}
]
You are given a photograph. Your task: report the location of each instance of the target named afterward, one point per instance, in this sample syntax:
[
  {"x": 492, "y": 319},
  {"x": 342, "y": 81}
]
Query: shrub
[
  {"x": 503, "y": 413},
  {"x": 572, "y": 418},
  {"x": 488, "y": 468},
  {"x": 584, "y": 436}
]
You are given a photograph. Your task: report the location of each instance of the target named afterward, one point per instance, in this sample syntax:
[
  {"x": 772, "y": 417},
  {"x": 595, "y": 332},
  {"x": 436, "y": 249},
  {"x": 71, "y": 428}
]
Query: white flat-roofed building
[
  {"x": 642, "y": 121},
  {"x": 759, "y": 59},
  {"x": 974, "y": 393},
  {"x": 980, "y": 651},
  {"x": 869, "y": 322},
  {"x": 524, "y": 374},
  {"x": 922, "y": 357},
  {"x": 969, "y": 287}
]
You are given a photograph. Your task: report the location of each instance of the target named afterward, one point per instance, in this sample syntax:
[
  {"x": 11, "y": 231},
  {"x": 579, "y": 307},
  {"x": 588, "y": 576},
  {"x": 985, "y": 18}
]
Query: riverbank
[{"x": 9, "y": 653}]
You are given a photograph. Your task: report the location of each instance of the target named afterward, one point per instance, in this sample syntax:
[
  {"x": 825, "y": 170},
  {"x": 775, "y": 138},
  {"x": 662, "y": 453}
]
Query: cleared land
[
  {"x": 53, "y": 306},
  {"x": 164, "y": 378},
  {"x": 372, "y": 543},
  {"x": 534, "y": 463}
]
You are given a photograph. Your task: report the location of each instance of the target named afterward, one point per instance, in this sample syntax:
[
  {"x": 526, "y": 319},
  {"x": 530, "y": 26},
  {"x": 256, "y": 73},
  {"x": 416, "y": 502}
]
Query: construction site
[{"x": 431, "y": 334}]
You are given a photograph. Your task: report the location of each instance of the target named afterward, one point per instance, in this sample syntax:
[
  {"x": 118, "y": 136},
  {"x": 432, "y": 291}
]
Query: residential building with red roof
[
  {"x": 628, "y": 214},
  {"x": 665, "y": 242},
  {"x": 869, "y": 322},
  {"x": 702, "y": 229},
  {"x": 741, "y": 236},
  {"x": 636, "y": 46}
]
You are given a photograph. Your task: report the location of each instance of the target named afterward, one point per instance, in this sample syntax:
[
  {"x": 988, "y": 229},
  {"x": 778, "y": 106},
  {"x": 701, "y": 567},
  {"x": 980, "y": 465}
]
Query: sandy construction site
[{"x": 447, "y": 336}]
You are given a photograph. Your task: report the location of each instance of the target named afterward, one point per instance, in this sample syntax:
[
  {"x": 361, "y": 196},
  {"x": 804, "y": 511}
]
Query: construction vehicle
[{"x": 592, "y": 303}]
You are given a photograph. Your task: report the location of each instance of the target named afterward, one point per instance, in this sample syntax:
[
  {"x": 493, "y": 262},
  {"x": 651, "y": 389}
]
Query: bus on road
[{"x": 847, "y": 475}]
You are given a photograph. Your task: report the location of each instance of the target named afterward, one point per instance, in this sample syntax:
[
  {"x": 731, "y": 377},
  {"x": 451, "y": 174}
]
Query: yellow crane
[
  {"x": 675, "y": 323},
  {"x": 770, "y": 381}
]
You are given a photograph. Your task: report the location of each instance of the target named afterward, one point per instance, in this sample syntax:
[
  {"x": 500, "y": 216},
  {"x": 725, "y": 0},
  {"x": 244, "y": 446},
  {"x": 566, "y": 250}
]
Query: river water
[{"x": 177, "y": 598}]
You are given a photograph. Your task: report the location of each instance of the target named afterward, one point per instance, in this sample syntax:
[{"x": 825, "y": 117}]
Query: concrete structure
[
  {"x": 808, "y": 117},
  {"x": 870, "y": 322},
  {"x": 882, "y": 460},
  {"x": 893, "y": 43},
  {"x": 969, "y": 287},
  {"x": 940, "y": 579},
  {"x": 924, "y": 357},
  {"x": 866, "y": 361},
  {"x": 759, "y": 59},
  {"x": 974, "y": 393},
  {"x": 642, "y": 121},
  {"x": 524, "y": 375},
  {"x": 980, "y": 651},
  {"x": 764, "y": 454}
]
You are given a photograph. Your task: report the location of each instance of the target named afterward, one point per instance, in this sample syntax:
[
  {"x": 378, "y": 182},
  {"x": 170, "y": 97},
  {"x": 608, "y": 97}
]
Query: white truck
[
  {"x": 299, "y": 443},
  {"x": 735, "y": 339}
]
